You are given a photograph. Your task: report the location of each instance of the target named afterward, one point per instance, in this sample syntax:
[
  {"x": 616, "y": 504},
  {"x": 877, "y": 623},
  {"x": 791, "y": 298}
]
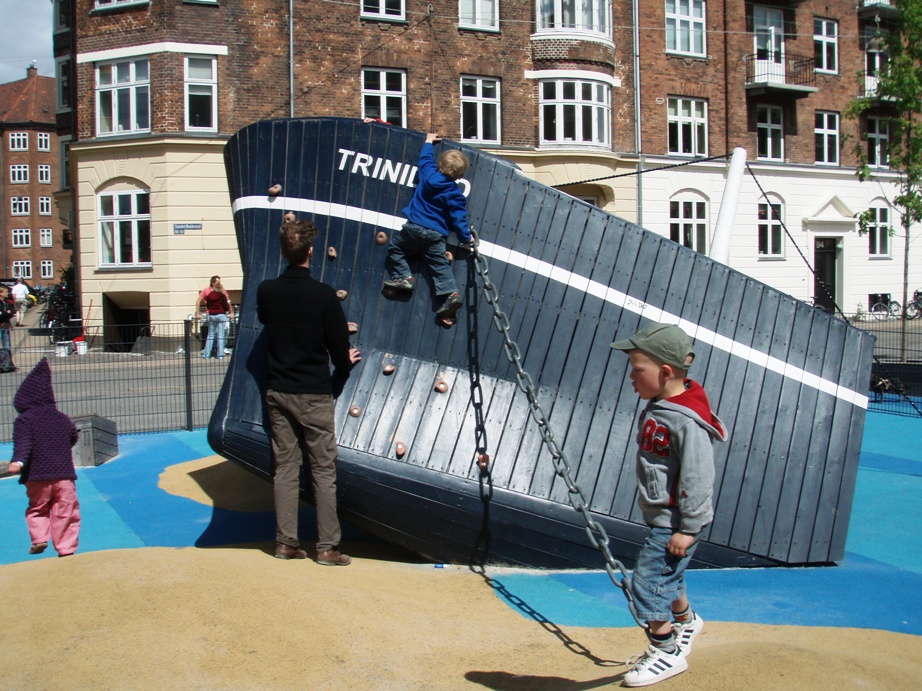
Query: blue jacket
[
  {"x": 42, "y": 434},
  {"x": 438, "y": 202}
]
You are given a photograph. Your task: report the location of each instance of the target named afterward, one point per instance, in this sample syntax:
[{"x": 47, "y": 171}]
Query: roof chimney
[{"x": 31, "y": 70}]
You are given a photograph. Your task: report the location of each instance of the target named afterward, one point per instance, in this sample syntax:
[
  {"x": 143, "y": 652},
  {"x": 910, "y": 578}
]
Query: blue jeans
[
  {"x": 659, "y": 577},
  {"x": 413, "y": 239},
  {"x": 217, "y": 326},
  {"x": 5, "y": 338}
]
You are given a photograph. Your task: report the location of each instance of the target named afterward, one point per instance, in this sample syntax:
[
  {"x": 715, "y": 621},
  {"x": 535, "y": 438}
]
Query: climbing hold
[
  {"x": 275, "y": 190},
  {"x": 400, "y": 449},
  {"x": 441, "y": 386},
  {"x": 289, "y": 217},
  {"x": 449, "y": 256},
  {"x": 341, "y": 294},
  {"x": 331, "y": 252},
  {"x": 353, "y": 327},
  {"x": 389, "y": 293},
  {"x": 381, "y": 237},
  {"x": 448, "y": 322},
  {"x": 389, "y": 369},
  {"x": 355, "y": 411},
  {"x": 483, "y": 461}
]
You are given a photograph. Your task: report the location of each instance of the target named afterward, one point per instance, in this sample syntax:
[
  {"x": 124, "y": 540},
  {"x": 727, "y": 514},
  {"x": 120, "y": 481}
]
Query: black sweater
[{"x": 307, "y": 330}]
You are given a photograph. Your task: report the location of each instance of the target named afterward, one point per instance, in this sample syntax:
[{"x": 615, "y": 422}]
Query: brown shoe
[
  {"x": 283, "y": 551},
  {"x": 38, "y": 548},
  {"x": 333, "y": 558}
]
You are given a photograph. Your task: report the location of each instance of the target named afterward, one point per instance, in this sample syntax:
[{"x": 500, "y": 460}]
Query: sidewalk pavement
[{"x": 876, "y": 586}]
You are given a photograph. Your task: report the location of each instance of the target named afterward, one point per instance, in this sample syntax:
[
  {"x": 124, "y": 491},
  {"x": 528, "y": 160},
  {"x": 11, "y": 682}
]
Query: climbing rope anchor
[{"x": 598, "y": 536}]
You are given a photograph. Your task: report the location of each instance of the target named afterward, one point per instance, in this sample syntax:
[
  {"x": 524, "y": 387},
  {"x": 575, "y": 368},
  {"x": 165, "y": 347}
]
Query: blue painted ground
[{"x": 876, "y": 586}]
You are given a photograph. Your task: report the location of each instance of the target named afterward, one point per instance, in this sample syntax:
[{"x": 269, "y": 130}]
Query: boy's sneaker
[
  {"x": 685, "y": 634},
  {"x": 449, "y": 307},
  {"x": 655, "y": 665},
  {"x": 404, "y": 283}
]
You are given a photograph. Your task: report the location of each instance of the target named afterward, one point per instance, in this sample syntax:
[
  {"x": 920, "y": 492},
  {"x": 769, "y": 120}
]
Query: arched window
[
  {"x": 124, "y": 228},
  {"x": 771, "y": 231},
  {"x": 688, "y": 220}
]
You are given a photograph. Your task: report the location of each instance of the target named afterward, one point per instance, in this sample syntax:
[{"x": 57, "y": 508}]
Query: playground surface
[{"x": 174, "y": 586}]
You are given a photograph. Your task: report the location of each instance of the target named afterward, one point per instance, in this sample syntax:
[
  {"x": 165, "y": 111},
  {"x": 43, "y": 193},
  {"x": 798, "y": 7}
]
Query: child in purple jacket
[{"x": 43, "y": 438}]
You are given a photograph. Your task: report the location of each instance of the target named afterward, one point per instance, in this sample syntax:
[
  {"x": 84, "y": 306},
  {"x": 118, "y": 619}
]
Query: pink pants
[{"x": 54, "y": 513}]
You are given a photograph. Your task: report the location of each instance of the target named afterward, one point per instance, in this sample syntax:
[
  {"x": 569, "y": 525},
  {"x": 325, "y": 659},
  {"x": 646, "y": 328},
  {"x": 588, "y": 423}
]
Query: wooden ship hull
[{"x": 790, "y": 381}]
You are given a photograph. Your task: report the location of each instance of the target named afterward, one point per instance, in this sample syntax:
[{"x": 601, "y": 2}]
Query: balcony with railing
[
  {"x": 769, "y": 72},
  {"x": 885, "y": 9}
]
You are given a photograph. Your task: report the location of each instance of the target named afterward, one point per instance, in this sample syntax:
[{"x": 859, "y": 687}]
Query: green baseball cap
[{"x": 666, "y": 342}]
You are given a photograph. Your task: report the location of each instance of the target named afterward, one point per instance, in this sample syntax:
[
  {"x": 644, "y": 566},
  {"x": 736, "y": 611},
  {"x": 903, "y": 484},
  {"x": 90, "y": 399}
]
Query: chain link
[{"x": 598, "y": 537}]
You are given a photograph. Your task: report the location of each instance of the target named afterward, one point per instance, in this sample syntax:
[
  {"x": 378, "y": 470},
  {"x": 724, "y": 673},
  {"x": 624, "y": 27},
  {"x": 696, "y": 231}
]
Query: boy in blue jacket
[
  {"x": 675, "y": 483},
  {"x": 438, "y": 206}
]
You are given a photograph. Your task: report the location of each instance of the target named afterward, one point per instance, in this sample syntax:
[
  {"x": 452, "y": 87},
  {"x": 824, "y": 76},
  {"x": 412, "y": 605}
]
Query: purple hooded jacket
[{"x": 42, "y": 435}]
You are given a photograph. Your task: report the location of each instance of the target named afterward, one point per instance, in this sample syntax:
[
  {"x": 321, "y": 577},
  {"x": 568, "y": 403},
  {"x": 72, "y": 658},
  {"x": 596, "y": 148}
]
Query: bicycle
[
  {"x": 886, "y": 310},
  {"x": 914, "y": 307}
]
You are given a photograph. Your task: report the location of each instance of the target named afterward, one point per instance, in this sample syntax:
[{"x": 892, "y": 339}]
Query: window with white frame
[
  {"x": 19, "y": 173},
  {"x": 20, "y": 206},
  {"x": 44, "y": 173},
  {"x": 112, "y": 3},
  {"x": 878, "y": 142},
  {"x": 826, "y": 135},
  {"x": 46, "y": 237},
  {"x": 685, "y": 27},
  {"x": 480, "y": 114},
  {"x": 688, "y": 222},
  {"x": 19, "y": 141},
  {"x": 826, "y": 45},
  {"x": 123, "y": 97},
  {"x": 22, "y": 237},
  {"x": 47, "y": 268},
  {"x": 383, "y": 9},
  {"x": 124, "y": 229},
  {"x": 575, "y": 111},
  {"x": 771, "y": 230},
  {"x": 575, "y": 15},
  {"x": 770, "y": 133},
  {"x": 879, "y": 232},
  {"x": 201, "y": 94},
  {"x": 478, "y": 14},
  {"x": 384, "y": 95},
  {"x": 687, "y": 124},
  {"x": 62, "y": 69},
  {"x": 44, "y": 206},
  {"x": 61, "y": 13},
  {"x": 22, "y": 268},
  {"x": 44, "y": 141}
]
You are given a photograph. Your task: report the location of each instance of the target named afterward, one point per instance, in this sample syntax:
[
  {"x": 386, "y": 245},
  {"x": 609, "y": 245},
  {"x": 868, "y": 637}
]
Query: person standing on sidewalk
[
  {"x": 306, "y": 331},
  {"x": 21, "y": 298}
]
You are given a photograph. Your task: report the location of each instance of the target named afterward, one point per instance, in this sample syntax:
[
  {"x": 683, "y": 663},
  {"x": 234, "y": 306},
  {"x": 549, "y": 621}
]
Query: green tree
[{"x": 898, "y": 101}]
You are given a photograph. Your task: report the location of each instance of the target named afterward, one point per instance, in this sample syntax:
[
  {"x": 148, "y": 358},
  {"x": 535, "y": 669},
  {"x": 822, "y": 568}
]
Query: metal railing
[
  {"x": 781, "y": 70},
  {"x": 151, "y": 377},
  {"x": 144, "y": 377}
]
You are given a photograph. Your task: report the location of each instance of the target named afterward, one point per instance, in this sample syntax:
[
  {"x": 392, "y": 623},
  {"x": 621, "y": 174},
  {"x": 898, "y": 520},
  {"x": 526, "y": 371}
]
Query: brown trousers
[{"x": 307, "y": 418}]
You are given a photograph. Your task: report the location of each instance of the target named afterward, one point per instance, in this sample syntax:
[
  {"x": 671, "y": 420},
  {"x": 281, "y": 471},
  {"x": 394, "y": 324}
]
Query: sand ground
[{"x": 236, "y": 618}]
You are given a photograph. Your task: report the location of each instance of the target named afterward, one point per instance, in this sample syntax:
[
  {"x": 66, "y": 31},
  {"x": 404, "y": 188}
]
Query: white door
[{"x": 768, "y": 24}]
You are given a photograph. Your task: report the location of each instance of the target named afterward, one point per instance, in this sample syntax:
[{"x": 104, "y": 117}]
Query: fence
[
  {"x": 143, "y": 377},
  {"x": 150, "y": 378}
]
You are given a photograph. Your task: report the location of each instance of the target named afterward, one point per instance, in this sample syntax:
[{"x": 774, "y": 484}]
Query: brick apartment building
[
  {"x": 150, "y": 90},
  {"x": 34, "y": 243}
]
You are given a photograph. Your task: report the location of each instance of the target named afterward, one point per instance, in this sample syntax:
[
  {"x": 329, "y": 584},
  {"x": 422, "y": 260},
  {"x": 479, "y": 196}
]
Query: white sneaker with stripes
[
  {"x": 685, "y": 634},
  {"x": 655, "y": 665}
]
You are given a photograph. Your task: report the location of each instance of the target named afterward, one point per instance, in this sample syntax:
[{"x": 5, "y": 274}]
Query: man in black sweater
[{"x": 307, "y": 330}]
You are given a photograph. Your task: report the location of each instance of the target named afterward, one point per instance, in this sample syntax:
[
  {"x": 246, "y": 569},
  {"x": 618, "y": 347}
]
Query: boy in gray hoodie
[{"x": 675, "y": 479}]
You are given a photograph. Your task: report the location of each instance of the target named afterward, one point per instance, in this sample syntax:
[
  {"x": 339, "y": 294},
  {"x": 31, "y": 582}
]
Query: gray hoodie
[{"x": 675, "y": 460}]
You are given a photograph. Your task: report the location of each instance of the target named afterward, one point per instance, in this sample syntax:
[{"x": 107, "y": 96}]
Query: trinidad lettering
[{"x": 384, "y": 169}]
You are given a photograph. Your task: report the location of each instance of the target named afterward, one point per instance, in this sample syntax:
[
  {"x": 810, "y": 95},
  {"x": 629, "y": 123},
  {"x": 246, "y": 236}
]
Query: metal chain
[{"x": 598, "y": 537}]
